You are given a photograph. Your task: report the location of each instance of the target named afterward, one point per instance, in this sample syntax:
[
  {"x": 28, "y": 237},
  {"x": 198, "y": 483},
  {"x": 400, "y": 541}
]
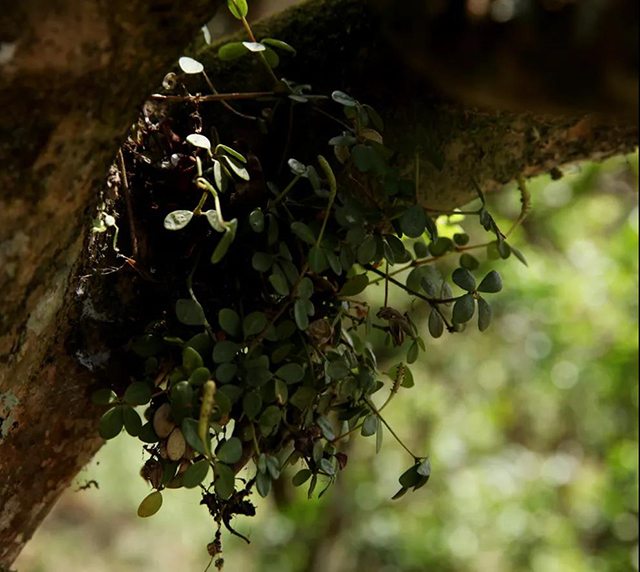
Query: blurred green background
[{"x": 532, "y": 430}]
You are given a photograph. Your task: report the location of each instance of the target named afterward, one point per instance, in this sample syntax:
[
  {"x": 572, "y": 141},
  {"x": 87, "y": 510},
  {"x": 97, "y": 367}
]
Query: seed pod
[
  {"x": 184, "y": 465},
  {"x": 162, "y": 422},
  {"x": 176, "y": 445},
  {"x": 162, "y": 450}
]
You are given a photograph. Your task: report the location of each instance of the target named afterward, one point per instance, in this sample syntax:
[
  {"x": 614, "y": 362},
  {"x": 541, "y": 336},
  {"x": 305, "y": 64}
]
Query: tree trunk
[{"x": 74, "y": 75}]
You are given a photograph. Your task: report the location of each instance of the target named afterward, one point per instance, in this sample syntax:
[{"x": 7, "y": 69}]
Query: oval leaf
[
  {"x": 150, "y": 505},
  {"x": 190, "y": 66},
  {"x": 177, "y": 220}
]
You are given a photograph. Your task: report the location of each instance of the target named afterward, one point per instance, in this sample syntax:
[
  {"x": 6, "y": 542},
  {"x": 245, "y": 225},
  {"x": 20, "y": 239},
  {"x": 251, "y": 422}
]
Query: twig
[
  {"x": 215, "y": 97},
  {"x": 127, "y": 200}
]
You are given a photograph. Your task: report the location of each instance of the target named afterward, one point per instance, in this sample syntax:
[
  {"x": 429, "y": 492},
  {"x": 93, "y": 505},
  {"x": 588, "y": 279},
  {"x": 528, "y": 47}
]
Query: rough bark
[{"x": 74, "y": 74}]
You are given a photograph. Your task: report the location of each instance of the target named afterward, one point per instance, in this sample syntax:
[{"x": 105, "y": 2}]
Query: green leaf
[
  {"x": 303, "y": 232},
  {"x": 300, "y": 314},
  {"x": 195, "y": 474},
  {"x": 491, "y": 283},
  {"x": 111, "y": 423},
  {"x": 484, "y": 314},
  {"x": 408, "y": 380},
  {"x": 279, "y": 44},
  {"x": 343, "y": 99},
  {"x": 379, "y": 435},
  {"x": 254, "y": 47},
  {"x": 326, "y": 467},
  {"x": 504, "y": 249},
  {"x": 303, "y": 397},
  {"x": 273, "y": 59},
  {"x": 397, "y": 247},
  {"x": 226, "y": 372},
  {"x": 239, "y": 8},
  {"x": 429, "y": 286},
  {"x": 410, "y": 477},
  {"x": 225, "y": 242},
  {"x": 469, "y": 262},
  {"x": 198, "y": 140},
  {"x": 256, "y": 220},
  {"x": 104, "y": 396},
  {"x": 301, "y": 477},
  {"x": 436, "y": 325},
  {"x": 189, "y": 312},
  {"x": 251, "y": 405},
  {"x": 214, "y": 220},
  {"x": 355, "y": 285},
  {"x": 200, "y": 376},
  {"x": 131, "y": 420},
  {"x": 424, "y": 468},
  {"x": 232, "y": 51},
  {"x": 191, "y": 359},
  {"x": 229, "y": 321},
  {"x": 326, "y": 427},
  {"x": 338, "y": 369},
  {"x": 280, "y": 284},
  {"x": 225, "y": 481},
  {"x": 343, "y": 140},
  {"x": 305, "y": 288},
  {"x": 138, "y": 393},
  {"x": 273, "y": 467},
  {"x": 150, "y": 505},
  {"x": 147, "y": 434},
  {"x": 463, "y": 278},
  {"x": 461, "y": 238},
  {"x": 421, "y": 249},
  {"x": 375, "y": 117},
  {"x": 220, "y": 176},
  {"x": 400, "y": 494},
  {"x": 367, "y": 250},
  {"x": 291, "y": 373},
  {"x": 413, "y": 352},
  {"x": 177, "y": 220},
  {"x": 261, "y": 261},
  {"x": 190, "y": 66},
  {"x": 230, "y": 451},
  {"x": 463, "y": 309},
  {"x": 254, "y": 323},
  {"x": 230, "y": 151},
  {"x": 269, "y": 418},
  {"x": 190, "y": 432},
  {"x": 317, "y": 259},
  {"x": 237, "y": 167},
  {"x": 365, "y": 158},
  {"x": 263, "y": 484},
  {"x": 369, "y": 425},
  {"x": 225, "y": 351},
  {"x": 519, "y": 255},
  {"x": 413, "y": 221},
  {"x": 441, "y": 246},
  {"x": 297, "y": 168}
]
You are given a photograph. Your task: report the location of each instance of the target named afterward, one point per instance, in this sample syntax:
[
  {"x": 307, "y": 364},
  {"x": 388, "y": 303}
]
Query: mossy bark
[{"x": 73, "y": 77}]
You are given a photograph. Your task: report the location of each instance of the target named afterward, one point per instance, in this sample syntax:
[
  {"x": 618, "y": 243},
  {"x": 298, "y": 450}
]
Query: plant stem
[
  {"x": 262, "y": 57},
  {"x": 127, "y": 199},
  {"x": 255, "y": 438},
  {"x": 395, "y": 436},
  {"x": 224, "y": 102},
  {"x": 285, "y": 192},
  {"x": 386, "y": 286},
  {"x": 525, "y": 199}
]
